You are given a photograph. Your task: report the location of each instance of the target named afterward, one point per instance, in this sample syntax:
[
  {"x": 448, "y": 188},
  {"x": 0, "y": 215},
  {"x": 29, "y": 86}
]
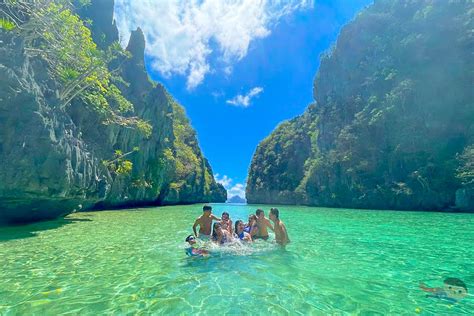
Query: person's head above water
[
  {"x": 239, "y": 226},
  {"x": 207, "y": 209},
  {"x": 455, "y": 288},
  {"x": 225, "y": 216},
  {"x": 260, "y": 213},
  {"x": 216, "y": 229},
  {"x": 252, "y": 218},
  {"x": 191, "y": 239},
  {"x": 274, "y": 213}
]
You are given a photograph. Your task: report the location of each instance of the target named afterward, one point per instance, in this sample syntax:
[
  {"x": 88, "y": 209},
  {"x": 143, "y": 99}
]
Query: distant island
[{"x": 237, "y": 199}]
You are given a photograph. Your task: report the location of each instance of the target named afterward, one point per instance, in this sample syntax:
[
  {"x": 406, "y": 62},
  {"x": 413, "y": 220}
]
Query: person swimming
[
  {"x": 454, "y": 290},
  {"x": 220, "y": 235},
  {"x": 192, "y": 251},
  {"x": 240, "y": 232}
]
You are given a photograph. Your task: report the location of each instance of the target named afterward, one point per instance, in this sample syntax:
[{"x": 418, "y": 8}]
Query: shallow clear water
[{"x": 339, "y": 262}]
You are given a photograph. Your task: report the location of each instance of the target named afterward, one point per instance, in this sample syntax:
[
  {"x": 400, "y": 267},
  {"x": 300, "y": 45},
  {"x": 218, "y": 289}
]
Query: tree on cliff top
[{"x": 52, "y": 31}]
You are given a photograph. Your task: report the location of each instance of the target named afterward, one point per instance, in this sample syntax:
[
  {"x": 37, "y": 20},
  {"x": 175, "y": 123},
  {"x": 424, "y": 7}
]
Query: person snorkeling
[
  {"x": 454, "y": 290},
  {"x": 193, "y": 251}
]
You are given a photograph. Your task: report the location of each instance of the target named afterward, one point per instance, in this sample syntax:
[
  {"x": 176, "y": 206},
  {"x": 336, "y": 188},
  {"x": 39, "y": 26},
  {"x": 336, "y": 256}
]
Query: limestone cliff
[
  {"x": 54, "y": 158},
  {"x": 392, "y": 125}
]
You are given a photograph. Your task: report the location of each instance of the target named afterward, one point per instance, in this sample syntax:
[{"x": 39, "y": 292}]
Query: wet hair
[
  {"x": 214, "y": 230},
  {"x": 189, "y": 238},
  {"x": 275, "y": 212},
  {"x": 252, "y": 217},
  {"x": 206, "y": 208},
  {"x": 455, "y": 282},
  {"x": 258, "y": 212},
  {"x": 237, "y": 225},
  {"x": 225, "y": 213}
]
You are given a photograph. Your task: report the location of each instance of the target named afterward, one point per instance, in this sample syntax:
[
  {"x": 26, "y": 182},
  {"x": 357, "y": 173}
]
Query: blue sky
[{"x": 239, "y": 68}]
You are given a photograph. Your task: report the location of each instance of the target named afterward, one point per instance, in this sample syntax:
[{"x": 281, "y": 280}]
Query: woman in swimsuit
[
  {"x": 226, "y": 222},
  {"x": 251, "y": 227},
  {"x": 240, "y": 233},
  {"x": 219, "y": 235}
]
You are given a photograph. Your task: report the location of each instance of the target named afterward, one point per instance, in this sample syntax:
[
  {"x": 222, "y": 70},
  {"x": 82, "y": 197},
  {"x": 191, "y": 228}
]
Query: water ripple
[{"x": 340, "y": 262}]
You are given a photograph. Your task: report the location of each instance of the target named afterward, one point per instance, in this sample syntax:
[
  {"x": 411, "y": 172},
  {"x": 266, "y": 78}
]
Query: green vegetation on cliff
[
  {"x": 189, "y": 169},
  {"x": 82, "y": 125},
  {"x": 53, "y": 32},
  {"x": 392, "y": 123}
]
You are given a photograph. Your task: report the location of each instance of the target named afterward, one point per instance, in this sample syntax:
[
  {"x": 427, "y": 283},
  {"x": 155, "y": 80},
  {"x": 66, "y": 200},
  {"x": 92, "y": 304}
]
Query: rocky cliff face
[
  {"x": 392, "y": 126},
  {"x": 52, "y": 158}
]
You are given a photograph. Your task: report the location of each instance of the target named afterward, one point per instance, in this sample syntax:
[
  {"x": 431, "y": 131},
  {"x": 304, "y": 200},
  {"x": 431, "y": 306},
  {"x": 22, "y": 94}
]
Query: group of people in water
[{"x": 223, "y": 230}]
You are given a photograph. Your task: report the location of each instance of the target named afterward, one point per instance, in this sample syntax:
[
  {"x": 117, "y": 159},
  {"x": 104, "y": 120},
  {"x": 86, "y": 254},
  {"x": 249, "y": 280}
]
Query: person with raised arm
[{"x": 205, "y": 223}]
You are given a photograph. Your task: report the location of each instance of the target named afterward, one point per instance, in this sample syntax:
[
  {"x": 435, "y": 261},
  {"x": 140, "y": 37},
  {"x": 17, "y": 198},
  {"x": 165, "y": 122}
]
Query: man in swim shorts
[
  {"x": 281, "y": 235},
  {"x": 204, "y": 222},
  {"x": 262, "y": 223}
]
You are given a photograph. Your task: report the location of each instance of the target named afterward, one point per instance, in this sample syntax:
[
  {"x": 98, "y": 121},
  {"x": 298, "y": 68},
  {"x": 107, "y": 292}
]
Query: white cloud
[
  {"x": 179, "y": 33},
  {"x": 224, "y": 180},
  {"x": 232, "y": 189},
  {"x": 244, "y": 100},
  {"x": 228, "y": 70},
  {"x": 217, "y": 94}
]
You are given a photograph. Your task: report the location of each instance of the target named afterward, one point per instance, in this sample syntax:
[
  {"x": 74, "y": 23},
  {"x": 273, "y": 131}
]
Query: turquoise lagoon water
[{"x": 340, "y": 262}]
